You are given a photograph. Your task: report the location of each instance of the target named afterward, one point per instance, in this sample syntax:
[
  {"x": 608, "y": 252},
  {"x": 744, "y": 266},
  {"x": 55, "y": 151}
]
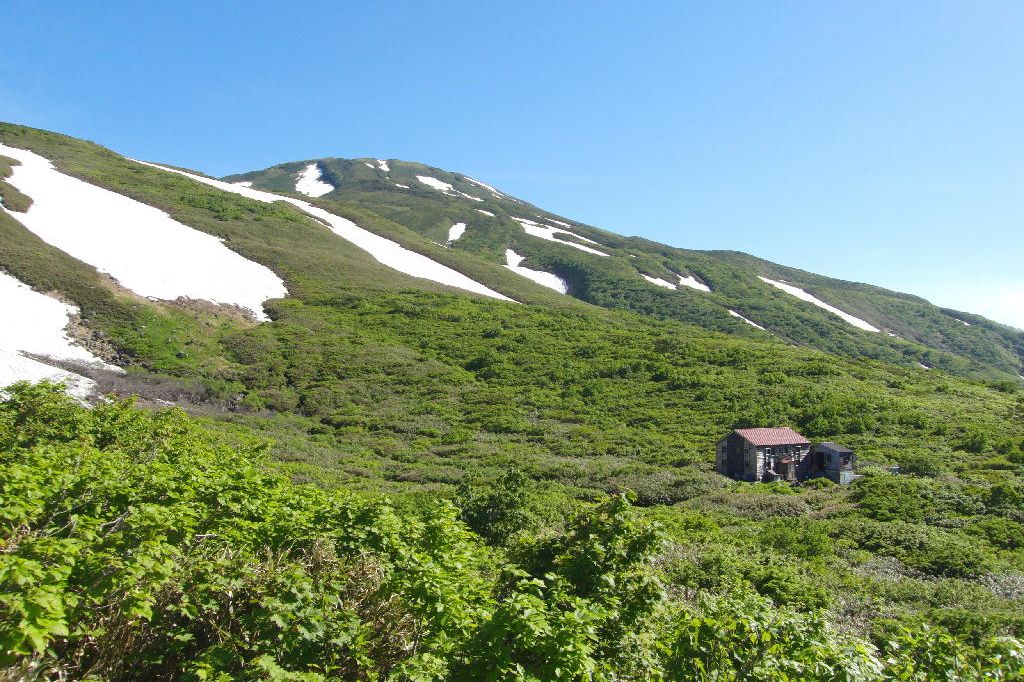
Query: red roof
[{"x": 782, "y": 435}]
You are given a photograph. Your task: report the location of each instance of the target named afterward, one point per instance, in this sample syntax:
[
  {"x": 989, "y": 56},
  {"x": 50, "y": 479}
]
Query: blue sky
[{"x": 874, "y": 141}]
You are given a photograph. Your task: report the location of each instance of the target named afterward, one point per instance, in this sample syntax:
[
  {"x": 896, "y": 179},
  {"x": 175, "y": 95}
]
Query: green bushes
[{"x": 138, "y": 546}]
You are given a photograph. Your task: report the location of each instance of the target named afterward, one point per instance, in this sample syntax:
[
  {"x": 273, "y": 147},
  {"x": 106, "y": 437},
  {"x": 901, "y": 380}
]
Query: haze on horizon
[{"x": 870, "y": 142}]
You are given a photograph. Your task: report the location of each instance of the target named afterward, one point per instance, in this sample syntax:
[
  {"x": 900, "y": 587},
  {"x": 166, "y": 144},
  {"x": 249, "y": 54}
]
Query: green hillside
[
  {"x": 395, "y": 480},
  {"x": 914, "y": 331}
]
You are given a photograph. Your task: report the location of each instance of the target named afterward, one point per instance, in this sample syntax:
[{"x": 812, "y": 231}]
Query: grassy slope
[
  {"x": 367, "y": 382},
  {"x": 926, "y": 333}
]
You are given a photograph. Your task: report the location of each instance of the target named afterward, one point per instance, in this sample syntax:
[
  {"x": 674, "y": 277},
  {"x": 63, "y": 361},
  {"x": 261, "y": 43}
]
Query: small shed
[
  {"x": 832, "y": 461},
  {"x": 762, "y": 454}
]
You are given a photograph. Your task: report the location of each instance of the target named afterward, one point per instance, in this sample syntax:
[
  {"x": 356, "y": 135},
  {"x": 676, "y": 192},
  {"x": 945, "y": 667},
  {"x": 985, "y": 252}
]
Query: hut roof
[{"x": 780, "y": 435}]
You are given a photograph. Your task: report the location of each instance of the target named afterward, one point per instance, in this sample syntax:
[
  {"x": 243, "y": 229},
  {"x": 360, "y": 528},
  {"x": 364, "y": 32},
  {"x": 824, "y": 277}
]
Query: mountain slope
[
  {"x": 644, "y": 276},
  {"x": 369, "y": 382}
]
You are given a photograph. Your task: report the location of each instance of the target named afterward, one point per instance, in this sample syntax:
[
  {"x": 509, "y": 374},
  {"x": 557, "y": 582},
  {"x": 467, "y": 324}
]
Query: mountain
[
  {"x": 725, "y": 291},
  {"x": 389, "y": 469}
]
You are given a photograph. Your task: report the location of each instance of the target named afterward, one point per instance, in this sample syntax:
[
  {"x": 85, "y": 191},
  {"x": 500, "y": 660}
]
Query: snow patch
[
  {"x": 547, "y": 279},
  {"x": 369, "y": 165},
  {"x": 923, "y": 366},
  {"x": 402, "y": 186},
  {"x": 444, "y": 187},
  {"x": 244, "y": 183},
  {"x": 496, "y": 193},
  {"x": 142, "y": 247},
  {"x": 966, "y": 324},
  {"x": 456, "y": 231},
  {"x": 34, "y": 323},
  {"x": 693, "y": 283},
  {"x": 559, "y": 222},
  {"x": 383, "y": 250},
  {"x": 804, "y": 296},
  {"x": 548, "y": 233},
  {"x": 486, "y": 213},
  {"x": 658, "y": 282},
  {"x": 383, "y": 165},
  {"x": 310, "y": 184},
  {"x": 752, "y": 324}
]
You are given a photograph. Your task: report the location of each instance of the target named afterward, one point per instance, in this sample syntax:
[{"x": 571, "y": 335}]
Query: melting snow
[
  {"x": 804, "y": 296},
  {"x": 693, "y": 283},
  {"x": 752, "y": 324},
  {"x": 487, "y": 213},
  {"x": 310, "y": 184},
  {"x": 493, "y": 191},
  {"x": 383, "y": 165},
  {"x": 34, "y": 323},
  {"x": 966, "y": 324},
  {"x": 142, "y": 247},
  {"x": 923, "y": 366},
  {"x": 245, "y": 183},
  {"x": 384, "y": 250},
  {"x": 369, "y": 165},
  {"x": 658, "y": 282},
  {"x": 402, "y": 186},
  {"x": 548, "y": 233},
  {"x": 456, "y": 231},
  {"x": 442, "y": 186},
  {"x": 547, "y": 279}
]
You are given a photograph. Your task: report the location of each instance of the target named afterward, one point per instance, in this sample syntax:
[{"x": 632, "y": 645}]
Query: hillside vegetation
[
  {"x": 140, "y": 547},
  {"x": 392, "y": 481}
]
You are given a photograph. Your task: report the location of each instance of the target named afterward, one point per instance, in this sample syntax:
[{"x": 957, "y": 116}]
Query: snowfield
[
  {"x": 693, "y": 283},
  {"x": 310, "y": 184},
  {"x": 444, "y": 187},
  {"x": 141, "y": 247},
  {"x": 34, "y": 323},
  {"x": 244, "y": 183},
  {"x": 486, "y": 213},
  {"x": 547, "y": 279},
  {"x": 804, "y": 296},
  {"x": 456, "y": 231},
  {"x": 385, "y": 251},
  {"x": 548, "y": 233},
  {"x": 658, "y": 281},
  {"x": 752, "y": 324},
  {"x": 383, "y": 165}
]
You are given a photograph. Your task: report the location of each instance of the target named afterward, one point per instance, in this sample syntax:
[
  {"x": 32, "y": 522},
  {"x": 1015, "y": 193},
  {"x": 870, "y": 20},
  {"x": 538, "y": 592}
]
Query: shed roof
[
  {"x": 780, "y": 435},
  {"x": 836, "y": 446}
]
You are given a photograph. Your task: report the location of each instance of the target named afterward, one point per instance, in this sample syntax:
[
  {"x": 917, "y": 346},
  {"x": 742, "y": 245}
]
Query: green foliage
[{"x": 497, "y": 512}]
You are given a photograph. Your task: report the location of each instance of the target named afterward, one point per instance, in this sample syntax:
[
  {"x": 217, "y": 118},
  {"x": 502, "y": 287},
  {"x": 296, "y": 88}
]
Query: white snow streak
[
  {"x": 496, "y": 193},
  {"x": 486, "y": 213},
  {"x": 804, "y": 296},
  {"x": 142, "y": 247},
  {"x": 547, "y": 279},
  {"x": 310, "y": 184},
  {"x": 548, "y": 233},
  {"x": 456, "y": 231},
  {"x": 442, "y": 186},
  {"x": 693, "y": 283},
  {"x": 402, "y": 186},
  {"x": 383, "y": 165},
  {"x": 34, "y": 323},
  {"x": 383, "y": 250},
  {"x": 752, "y": 324},
  {"x": 244, "y": 183},
  {"x": 658, "y": 282},
  {"x": 966, "y": 324}
]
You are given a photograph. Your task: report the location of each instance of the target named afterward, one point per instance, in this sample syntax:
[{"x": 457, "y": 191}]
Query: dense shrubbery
[{"x": 137, "y": 546}]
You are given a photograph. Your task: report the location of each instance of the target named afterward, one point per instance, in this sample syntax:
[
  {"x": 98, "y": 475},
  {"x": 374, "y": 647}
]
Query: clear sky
[{"x": 868, "y": 140}]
